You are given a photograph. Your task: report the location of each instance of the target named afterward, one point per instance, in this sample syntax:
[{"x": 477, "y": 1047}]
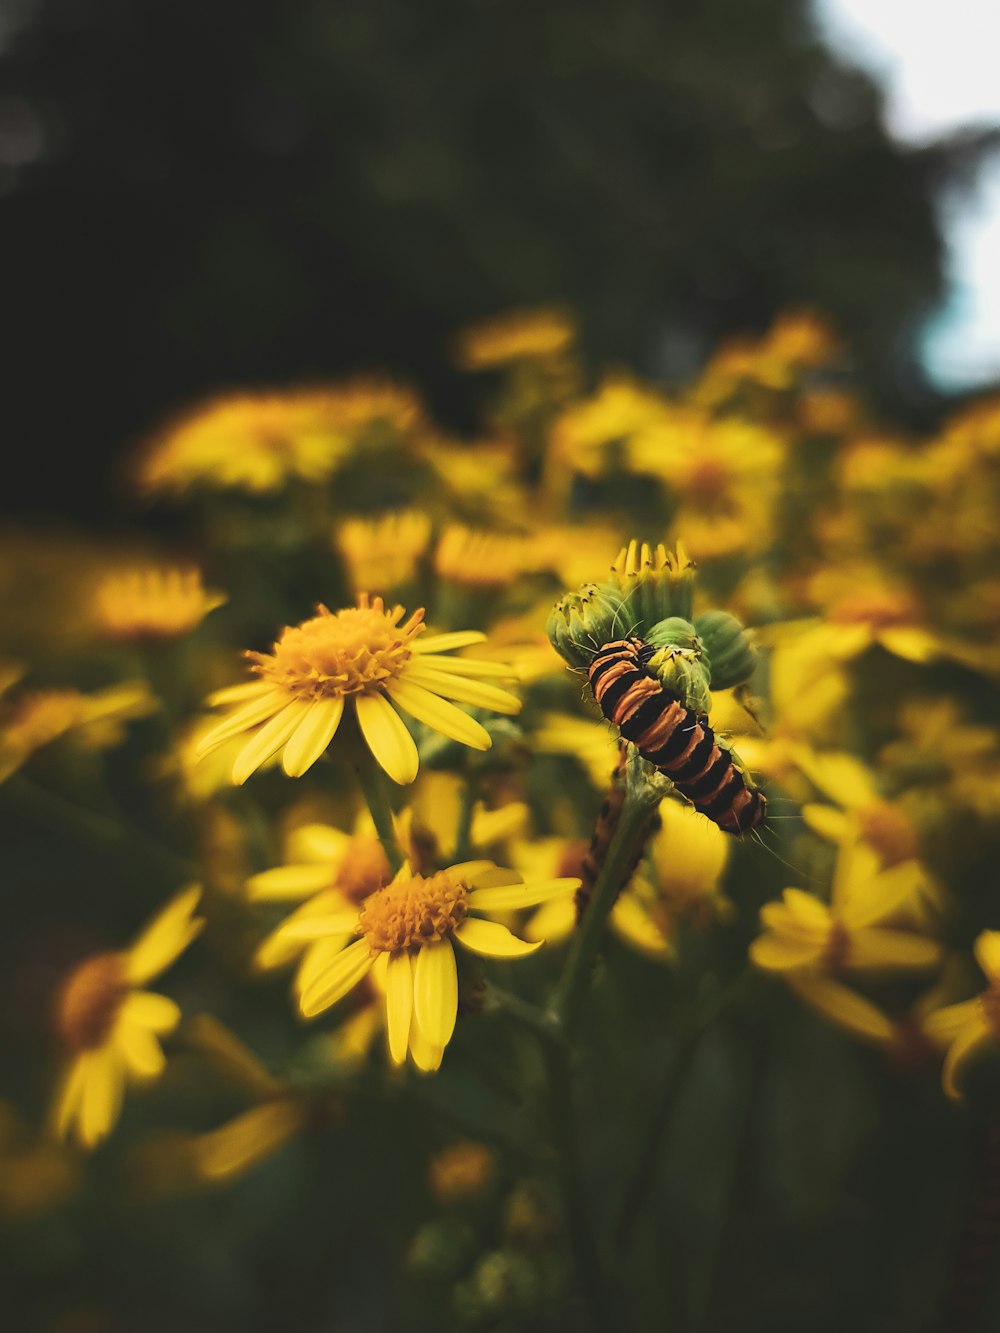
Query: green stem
[
  {"x": 625, "y": 847},
  {"x": 604, "y": 1311},
  {"x": 373, "y": 789},
  {"x": 539, "y": 1021},
  {"x": 463, "y": 835},
  {"x": 642, "y": 1174}
]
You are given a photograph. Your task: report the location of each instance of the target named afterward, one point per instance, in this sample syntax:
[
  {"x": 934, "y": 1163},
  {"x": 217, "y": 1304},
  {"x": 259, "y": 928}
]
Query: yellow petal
[
  {"x": 439, "y": 714},
  {"x": 513, "y": 896},
  {"x": 318, "y": 843},
  {"x": 165, "y": 938},
  {"x": 156, "y": 1013},
  {"x": 843, "y": 1006},
  {"x": 232, "y": 694},
  {"x": 319, "y": 927},
  {"x": 807, "y": 909},
  {"x": 343, "y": 974},
  {"x": 885, "y": 894},
  {"x": 426, "y": 1055},
  {"x": 316, "y": 958},
  {"x": 251, "y": 715},
  {"x": 466, "y": 691},
  {"x": 229, "y": 1054},
  {"x": 470, "y": 666},
  {"x": 439, "y": 643},
  {"x": 839, "y": 776},
  {"x": 287, "y": 882},
  {"x": 944, "y": 1025},
  {"x": 387, "y": 737},
  {"x": 877, "y": 948},
  {"x": 139, "y": 1049},
  {"x": 493, "y": 940},
  {"x": 101, "y": 1100},
  {"x": 552, "y": 922},
  {"x": 960, "y": 1052},
  {"x": 776, "y": 954},
  {"x": 435, "y": 992},
  {"x": 269, "y": 740},
  {"x": 987, "y": 951},
  {"x": 826, "y": 820},
  {"x": 399, "y": 1005},
  {"x": 246, "y": 1140},
  {"x": 632, "y": 923},
  {"x": 70, "y": 1094},
  {"x": 915, "y": 645},
  {"x": 311, "y": 737}
]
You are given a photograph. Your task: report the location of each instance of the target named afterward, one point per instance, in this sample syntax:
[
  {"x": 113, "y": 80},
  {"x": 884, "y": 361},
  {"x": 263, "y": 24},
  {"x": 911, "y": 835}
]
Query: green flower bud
[
  {"x": 658, "y": 583},
  {"x": 728, "y": 647},
  {"x": 582, "y": 622},
  {"x": 682, "y": 672}
]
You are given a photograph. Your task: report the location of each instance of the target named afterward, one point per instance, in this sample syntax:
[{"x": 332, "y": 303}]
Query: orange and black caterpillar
[{"x": 672, "y": 737}]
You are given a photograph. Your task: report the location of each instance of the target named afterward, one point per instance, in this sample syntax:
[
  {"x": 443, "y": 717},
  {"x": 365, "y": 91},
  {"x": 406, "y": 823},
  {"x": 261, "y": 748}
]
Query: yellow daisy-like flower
[
  {"x": 473, "y": 558},
  {"x": 383, "y": 552},
  {"x": 516, "y": 336},
  {"x": 805, "y": 934},
  {"x": 366, "y": 656},
  {"x": 152, "y": 602},
  {"x": 409, "y": 928},
  {"x": 35, "y": 719},
  {"x": 965, "y": 1028},
  {"x": 112, "y": 1025}
]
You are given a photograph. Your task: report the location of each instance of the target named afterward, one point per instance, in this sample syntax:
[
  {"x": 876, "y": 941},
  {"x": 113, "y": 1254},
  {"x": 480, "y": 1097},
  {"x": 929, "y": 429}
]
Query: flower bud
[
  {"x": 731, "y": 656},
  {"x": 582, "y": 622},
  {"x": 658, "y": 583}
]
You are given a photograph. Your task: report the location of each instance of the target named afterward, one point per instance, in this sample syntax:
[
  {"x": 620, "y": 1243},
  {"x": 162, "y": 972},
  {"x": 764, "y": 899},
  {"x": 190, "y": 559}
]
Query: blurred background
[{"x": 197, "y": 197}]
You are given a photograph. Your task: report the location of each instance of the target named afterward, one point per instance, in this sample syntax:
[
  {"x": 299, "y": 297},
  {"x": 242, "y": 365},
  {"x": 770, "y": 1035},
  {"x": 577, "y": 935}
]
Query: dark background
[{"x": 197, "y": 196}]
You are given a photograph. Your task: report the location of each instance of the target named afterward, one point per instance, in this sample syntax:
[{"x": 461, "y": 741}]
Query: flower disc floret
[
  {"x": 342, "y": 653},
  {"x": 412, "y": 912},
  {"x": 90, "y": 999}
]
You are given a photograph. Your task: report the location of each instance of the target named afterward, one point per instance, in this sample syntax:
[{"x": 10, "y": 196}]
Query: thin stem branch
[
  {"x": 373, "y": 789},
  {"x": 623, "y": 852}
]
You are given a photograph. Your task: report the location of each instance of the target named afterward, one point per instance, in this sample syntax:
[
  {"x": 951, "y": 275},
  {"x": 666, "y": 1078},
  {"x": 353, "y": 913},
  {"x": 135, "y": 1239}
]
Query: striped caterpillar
[{"x": 672, "y": 737}]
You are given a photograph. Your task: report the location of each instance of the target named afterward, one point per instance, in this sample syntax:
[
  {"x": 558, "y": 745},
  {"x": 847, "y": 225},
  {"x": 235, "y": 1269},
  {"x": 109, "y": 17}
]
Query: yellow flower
[
  {"x": 362, "y": 655},
  {"x": 591, "y": 436},
  {"x": 383, "y": 552},
  {"x": 519, "y": 335},
  {"x": 804, "y": 934},
  {"x": 112, "y": 1026},
  {"x": 92, "y": 721},
  {"x": 965, "y": 1028},
  {"x": 483, "y": 560},
  {"x": 152, "y": 602},
  {"x": 861, "y": 812},
  {"x": 862, "y": 608},
  {"x": 588, "y": 741},
  {"x": 461, "y": 1171},
  {"x": 407, "y": 931},
  {"x": 680, "y": 877}
]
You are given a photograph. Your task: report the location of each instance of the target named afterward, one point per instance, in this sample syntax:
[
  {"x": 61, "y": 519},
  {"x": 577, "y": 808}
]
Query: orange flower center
[
  {"x": 363, "y": 869},
  {"x": 879, "y": 608},
  {"x": 90, "y": 999},
  {"x": 333, "y": 655},
  {"x": 707, "y": 481},
  {"x": 989, "y": 1003},
  {"x": 412, "y": 912},
  {"x": 888, "y": 830},
  {"x": 838, "y": 946}
]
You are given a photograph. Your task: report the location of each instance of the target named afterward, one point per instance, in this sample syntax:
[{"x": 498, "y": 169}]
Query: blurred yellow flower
[
  {"x": 112, "y": 1027},
  {"x": 804, "y": 933},
  {"x": 595, "y": 436},
  {"x": 864, "y": 607},
  {"x": 383, "y": 552},
  {"x": 461, "y": 1171},
  {"x": 967, "y": 1027},
  {"x": 518, "y": 335},
  {"x": 413, "y": 924},
  {"x": 484, "y": 560},
  {"x": 152, "y": 602},
  {"x": 363, "y": 655},
  {"x": 34, "y": 719}
]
